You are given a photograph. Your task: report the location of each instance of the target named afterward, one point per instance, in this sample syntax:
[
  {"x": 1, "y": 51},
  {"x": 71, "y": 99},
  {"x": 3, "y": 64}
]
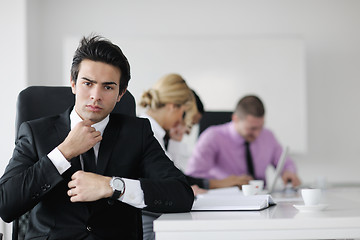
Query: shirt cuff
[
  {"x": 59, "y": 160},
  {"x": 134, "y": 194}
]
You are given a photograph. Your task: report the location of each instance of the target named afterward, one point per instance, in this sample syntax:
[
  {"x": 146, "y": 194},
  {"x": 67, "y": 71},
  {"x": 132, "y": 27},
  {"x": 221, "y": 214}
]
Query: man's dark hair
[
  {"x": 250, "y": 105},
  {"x": 99, "y": 49},
  {"x": 199, "y": 104}
]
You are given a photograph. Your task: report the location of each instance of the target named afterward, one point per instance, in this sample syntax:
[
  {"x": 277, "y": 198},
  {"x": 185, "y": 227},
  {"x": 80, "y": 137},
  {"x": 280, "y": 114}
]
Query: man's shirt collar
[{"x": 100, "y": 126}]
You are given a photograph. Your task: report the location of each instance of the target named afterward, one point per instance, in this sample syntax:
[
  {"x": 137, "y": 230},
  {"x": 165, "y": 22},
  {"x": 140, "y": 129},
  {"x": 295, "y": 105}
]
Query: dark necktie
[
  {"x": 89, "y": 160},
  {"x": 75, "y": 164},
  {"x": 166, "y": 140},
  {"x": 249, "y": 160}
]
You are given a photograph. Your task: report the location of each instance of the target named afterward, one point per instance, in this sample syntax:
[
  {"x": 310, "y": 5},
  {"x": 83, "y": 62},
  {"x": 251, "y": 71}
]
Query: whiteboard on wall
[{"x": 222, "y": 70}]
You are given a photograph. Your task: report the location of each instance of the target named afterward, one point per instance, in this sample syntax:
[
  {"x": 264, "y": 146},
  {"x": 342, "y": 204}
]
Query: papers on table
[
  {"x": 223, "y": 191},
  {"x": 227, "y": 199}
]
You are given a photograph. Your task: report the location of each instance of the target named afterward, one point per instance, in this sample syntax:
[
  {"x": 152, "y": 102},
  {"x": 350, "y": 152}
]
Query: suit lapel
[
  {"x": 107, "y": 145},
  {"x": 62, "y": 125}
]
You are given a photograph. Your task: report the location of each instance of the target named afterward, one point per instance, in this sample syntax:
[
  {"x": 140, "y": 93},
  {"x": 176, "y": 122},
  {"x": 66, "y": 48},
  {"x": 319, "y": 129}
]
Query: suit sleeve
[
  {"x": 165, "y": 187},
  {"x": 27, "y": 178},
  {"x": 200, "y": 182}
]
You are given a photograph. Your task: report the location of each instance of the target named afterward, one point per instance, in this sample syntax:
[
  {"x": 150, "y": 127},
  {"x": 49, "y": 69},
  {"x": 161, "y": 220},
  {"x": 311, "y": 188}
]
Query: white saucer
[{"x": 311, "y": 208}]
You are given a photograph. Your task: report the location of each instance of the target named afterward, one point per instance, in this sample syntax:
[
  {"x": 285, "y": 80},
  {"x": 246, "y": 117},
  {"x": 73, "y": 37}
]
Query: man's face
[
  {"x": 249, "y": 127},
  {"x": 96, "y": 90}
]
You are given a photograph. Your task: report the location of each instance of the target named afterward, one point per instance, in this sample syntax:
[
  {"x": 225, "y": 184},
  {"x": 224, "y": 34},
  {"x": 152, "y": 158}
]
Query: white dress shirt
[
  {"x": 175, "y": 148},
  {"x": 133, "y": 195}
]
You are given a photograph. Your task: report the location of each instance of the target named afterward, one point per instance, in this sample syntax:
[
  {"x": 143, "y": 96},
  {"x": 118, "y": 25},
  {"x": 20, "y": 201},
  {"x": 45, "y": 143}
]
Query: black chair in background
[
  {"x": 40, "y": 101},
  {"x": 210, "y": 118}
]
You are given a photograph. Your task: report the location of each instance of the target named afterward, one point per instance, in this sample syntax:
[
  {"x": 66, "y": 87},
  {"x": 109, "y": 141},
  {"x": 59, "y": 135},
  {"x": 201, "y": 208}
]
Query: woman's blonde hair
[{"x": 171, "y": 88}]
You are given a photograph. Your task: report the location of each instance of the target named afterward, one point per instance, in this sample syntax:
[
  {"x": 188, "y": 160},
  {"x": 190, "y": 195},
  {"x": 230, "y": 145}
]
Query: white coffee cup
[
  {"x": 248, "y": 190},
  {"x": 311, "y": 196},
  {"x": 259, "y": 185}
]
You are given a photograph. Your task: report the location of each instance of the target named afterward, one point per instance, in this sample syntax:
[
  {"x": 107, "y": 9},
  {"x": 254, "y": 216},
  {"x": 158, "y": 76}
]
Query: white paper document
[{"x": 230, "y": 200}]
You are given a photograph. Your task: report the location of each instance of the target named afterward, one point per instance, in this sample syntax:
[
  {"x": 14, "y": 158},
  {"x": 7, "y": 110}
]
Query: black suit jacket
[{"x": 128, "y": 149}]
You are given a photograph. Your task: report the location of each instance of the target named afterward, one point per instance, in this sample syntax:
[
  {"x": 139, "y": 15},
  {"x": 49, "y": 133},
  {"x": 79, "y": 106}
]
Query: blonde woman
[{"x": 170, "y": 104}]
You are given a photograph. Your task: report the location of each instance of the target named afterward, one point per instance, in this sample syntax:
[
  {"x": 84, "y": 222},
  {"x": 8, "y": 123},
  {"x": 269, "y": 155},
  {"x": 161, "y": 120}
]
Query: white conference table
[{"x": 340, "y": 220}]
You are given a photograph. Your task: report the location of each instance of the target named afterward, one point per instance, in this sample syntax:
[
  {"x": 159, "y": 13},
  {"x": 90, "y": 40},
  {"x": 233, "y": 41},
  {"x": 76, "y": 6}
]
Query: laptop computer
[{"x": 271, "y": 182}]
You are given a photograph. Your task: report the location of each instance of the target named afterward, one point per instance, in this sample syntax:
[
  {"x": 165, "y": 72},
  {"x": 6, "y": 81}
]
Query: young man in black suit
[{"x": 86, "y": 173}]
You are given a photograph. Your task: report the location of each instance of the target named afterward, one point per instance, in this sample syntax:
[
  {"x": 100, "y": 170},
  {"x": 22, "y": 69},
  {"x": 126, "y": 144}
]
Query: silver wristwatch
[{"x": 118, "y": 186}]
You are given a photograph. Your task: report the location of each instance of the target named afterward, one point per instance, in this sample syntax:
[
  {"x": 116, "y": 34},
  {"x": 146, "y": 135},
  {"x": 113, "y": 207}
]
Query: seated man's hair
[
  {"x": 250, "y": 105},
  {"x": 97, "y": 48}
]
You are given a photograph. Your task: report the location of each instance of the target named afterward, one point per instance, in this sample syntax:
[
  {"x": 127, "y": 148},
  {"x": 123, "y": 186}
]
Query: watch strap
[{"x": 116, "y": 195}]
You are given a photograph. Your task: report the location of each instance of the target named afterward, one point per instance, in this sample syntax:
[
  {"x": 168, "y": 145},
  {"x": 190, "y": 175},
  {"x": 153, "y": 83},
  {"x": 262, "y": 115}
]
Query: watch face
[{"x": 118, "y": 184}]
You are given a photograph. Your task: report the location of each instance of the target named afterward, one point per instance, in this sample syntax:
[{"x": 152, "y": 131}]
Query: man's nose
[{"x": 96, "y": 93}]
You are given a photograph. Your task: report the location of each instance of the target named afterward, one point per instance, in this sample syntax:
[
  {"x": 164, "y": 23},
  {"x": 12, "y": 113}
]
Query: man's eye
[
  {"x": 87, "y": 83},
  {"x": 108, "y": 88}
]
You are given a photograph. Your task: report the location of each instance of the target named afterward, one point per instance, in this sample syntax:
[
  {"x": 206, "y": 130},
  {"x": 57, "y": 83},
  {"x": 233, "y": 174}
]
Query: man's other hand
[
  {"x": 291, "y": 177},
  {"x": 88, "y": 187}
]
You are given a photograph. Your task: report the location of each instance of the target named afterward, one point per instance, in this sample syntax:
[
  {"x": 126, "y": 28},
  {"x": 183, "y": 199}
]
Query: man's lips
[{"x": 93, "y": 108}]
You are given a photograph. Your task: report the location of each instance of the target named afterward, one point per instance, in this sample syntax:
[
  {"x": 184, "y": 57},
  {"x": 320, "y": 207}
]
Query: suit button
[
  {"x": 89, "y": 228},
  {"x": 44, "y": 188},
  {"x": 36, "y": 195},
  {"x": 157, "y": 202}
]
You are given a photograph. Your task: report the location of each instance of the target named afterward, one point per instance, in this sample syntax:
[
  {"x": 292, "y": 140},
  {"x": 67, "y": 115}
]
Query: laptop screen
[{"x": 278, "y": 170}]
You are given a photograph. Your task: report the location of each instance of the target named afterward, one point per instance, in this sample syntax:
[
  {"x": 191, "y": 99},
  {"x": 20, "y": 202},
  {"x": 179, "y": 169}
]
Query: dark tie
[
  {"x": 89, "y": 160},
  {"x": 249, "y": 160},
  {"x": 75, "y": 164},
  {"x": 166, "y": 140}
]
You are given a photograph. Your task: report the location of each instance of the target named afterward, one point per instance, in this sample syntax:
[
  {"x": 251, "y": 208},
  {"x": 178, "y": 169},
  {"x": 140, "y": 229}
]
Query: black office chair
[
  {"x": 40, "y": 101},
  {"x": 210, "y": 118}
]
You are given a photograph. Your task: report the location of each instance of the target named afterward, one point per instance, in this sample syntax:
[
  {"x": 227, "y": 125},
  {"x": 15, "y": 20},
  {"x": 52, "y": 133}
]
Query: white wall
[{"x": 13, "y": 77}]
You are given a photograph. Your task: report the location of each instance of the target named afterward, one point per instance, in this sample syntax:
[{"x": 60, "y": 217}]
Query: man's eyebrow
[
  {"x": 109, "y": 83},
  {"x": 104, "y": 83},
  {"x": 85, "y": 78}
]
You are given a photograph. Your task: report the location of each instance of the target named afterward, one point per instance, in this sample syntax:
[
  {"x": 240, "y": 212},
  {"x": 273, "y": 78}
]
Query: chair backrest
[
  {"x": 41, "y": 101},
  {"x": 210, "y": 118}
]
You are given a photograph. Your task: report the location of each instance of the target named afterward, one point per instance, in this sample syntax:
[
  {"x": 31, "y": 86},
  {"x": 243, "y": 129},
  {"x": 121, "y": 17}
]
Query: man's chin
[{"x": 94, "y": 117}]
